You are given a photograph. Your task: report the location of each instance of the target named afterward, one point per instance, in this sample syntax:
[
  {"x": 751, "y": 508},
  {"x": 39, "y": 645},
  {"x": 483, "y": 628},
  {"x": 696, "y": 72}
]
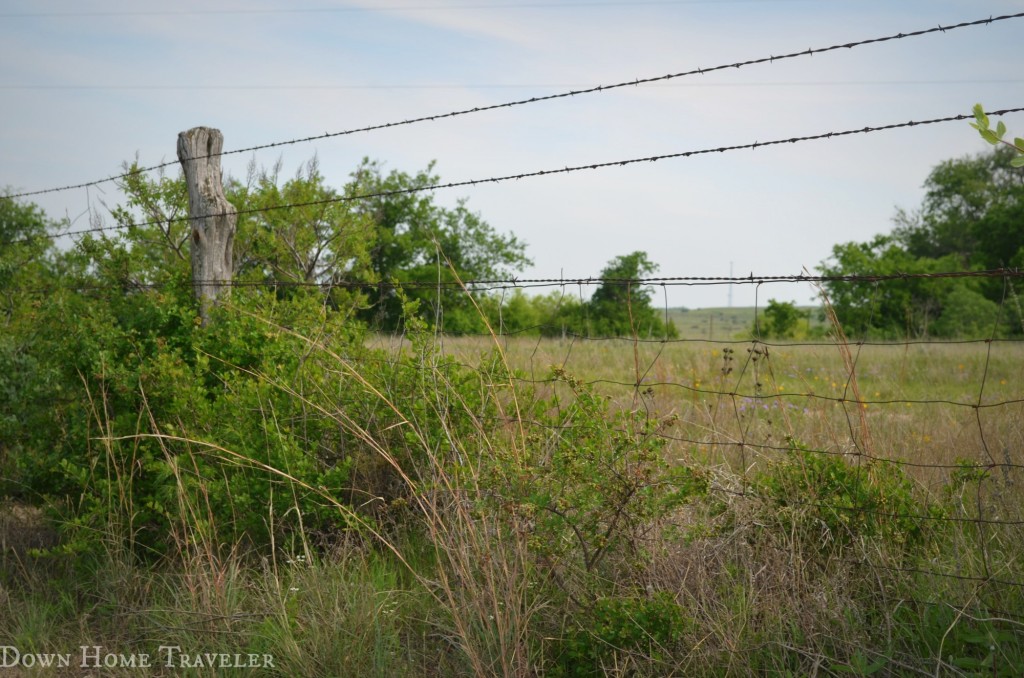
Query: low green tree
[
  {"x": 325, "y": 241},
  {"x": 970, "y": 219},
  {"x": 27, "y": 266},
  {"x": 421, "y": 242},
  {"x": 966, "y": 313},
  {"x": 780, "y": 320},
  {"x": 620, "y": 306}
]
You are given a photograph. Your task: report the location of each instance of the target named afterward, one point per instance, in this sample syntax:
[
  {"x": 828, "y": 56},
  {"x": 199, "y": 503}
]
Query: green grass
[{"x": 727, "y": 323}]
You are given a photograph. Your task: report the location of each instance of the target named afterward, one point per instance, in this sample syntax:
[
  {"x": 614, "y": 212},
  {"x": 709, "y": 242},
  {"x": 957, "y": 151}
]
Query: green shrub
[
  {"x": 594, "y": 475},
  {"x": 146, "y": 401},
  {"x": 646, "y": 627},
  {"x": 830, "y": 501},
  {"x": 977, "y": 644}
]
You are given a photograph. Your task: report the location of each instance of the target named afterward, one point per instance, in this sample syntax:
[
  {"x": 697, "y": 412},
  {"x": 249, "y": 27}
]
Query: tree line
[
  {"x": 361, "y": 252},
  {"x": 971, "y": 219},
  {"x": 364, "y": 252}
]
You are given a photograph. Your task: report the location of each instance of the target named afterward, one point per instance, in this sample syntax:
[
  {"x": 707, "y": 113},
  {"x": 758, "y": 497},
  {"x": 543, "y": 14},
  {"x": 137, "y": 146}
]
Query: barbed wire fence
[
  {"x": 752, "y": 415},
  {"x": 830, "y": 397},
  {"x": 747, "y": 415},
  {"x": 745, "y": 397},
  {"x": 946, "y": 412},
  {"x": 539, "y": 99},
  {"x": 569, "y": 169}
]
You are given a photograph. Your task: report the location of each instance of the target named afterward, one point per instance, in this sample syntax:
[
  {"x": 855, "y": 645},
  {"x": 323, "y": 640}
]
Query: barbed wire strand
[
  {"x": 538, "y": 173},
  {"x": 497, "y": 284},
  {"x": 537, "y": 99}
]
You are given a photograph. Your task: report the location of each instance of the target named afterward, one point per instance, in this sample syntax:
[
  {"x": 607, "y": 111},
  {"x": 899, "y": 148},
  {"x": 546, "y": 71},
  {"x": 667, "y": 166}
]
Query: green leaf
[
  {"x": 979, "y": 113},
  {"x": 1000, "y": 129},
  {"x": 976, "y": 637},
  {"x": 859, "y": 666},
  {"x": 874, "y": 667},
  {"x": 966, "y": 663},
  {"x": 989, "y": 136},
  {"x": 1002, "y": 636},
  {"x": 1017, "y": 162},
  {"x": 1019, "y": 143}
]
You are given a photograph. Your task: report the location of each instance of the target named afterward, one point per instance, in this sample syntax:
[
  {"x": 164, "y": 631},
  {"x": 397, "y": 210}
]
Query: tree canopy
[
  {"x": 625, "y": 308},
  {"x": 416, "y": 240},
  {"x": 971, "y": 219},
  {"x": 780, "y": 320},
  {"x": 379, "y": 232},
  {"x": 379, "y": 228}
]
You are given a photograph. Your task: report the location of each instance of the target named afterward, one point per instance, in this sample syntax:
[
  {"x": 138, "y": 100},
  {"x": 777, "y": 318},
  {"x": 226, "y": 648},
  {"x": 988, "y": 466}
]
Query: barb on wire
[
  {"x": 492, "y": 284},
  {"x": 543, "y": 173},
  {"x": 537, "y": 99}
]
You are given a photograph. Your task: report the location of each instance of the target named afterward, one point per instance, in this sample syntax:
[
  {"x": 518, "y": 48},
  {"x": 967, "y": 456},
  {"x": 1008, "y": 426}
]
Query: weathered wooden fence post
[{"x": 211, "y": 216}]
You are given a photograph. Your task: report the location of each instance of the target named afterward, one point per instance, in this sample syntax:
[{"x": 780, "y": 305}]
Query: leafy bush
[
  {"x": 141, "y": 390},
  {"x": 969, "y": 220},
  {"x": 647, "y": 627},
  {"x": 831, "y": 503},
  {"x": 780, "y": 321},
  {"x": 595, "y": 475},
  {"x": 972, "y": 646}
]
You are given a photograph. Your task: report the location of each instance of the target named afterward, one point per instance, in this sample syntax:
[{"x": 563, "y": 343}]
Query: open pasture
[{"x": 928, "y": 405}]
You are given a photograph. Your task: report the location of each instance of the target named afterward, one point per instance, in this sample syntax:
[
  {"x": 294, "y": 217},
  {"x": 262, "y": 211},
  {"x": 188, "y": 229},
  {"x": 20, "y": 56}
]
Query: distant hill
[{"x": 721, "y": 323}]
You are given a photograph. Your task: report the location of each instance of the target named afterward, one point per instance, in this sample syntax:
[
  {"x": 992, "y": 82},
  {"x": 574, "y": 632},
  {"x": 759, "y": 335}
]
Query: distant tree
[
  {"x": 780, "y": 320},
  {"x": 972, "y": 218},
  {"x": 326, "y": 240},
  {"x": 891, "y": 310},
  {"x": 966, "y": 313},
  {"x": 620, "y": 306},
  {"x": 25, "y": 242},
  {"x": 417, "y": 240},
  {"x": 973, "y": 209}
]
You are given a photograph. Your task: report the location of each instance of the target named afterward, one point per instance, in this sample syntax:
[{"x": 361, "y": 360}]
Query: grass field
[
  {"x": 860, "y": 513},
  {"x": 712, "y": 323},
  {"x": 725, "y": 324},
  {"x": 917, "y": 400}
]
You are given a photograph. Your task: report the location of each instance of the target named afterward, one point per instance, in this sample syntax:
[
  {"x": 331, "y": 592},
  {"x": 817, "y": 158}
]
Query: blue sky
[{"x": 88, "y": 85}]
